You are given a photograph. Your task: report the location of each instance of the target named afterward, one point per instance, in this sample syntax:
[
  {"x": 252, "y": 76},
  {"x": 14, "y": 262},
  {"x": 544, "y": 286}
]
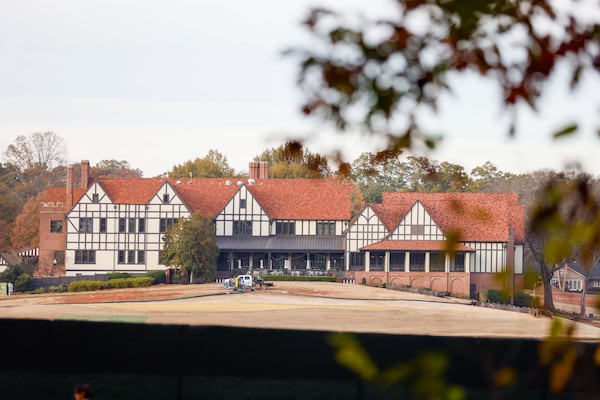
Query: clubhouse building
[{"x": 455, "y": 242}]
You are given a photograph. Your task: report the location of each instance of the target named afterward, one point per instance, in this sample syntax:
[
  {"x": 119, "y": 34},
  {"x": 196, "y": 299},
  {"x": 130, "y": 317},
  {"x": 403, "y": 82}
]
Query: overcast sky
[{"x": 159, "y": 83}]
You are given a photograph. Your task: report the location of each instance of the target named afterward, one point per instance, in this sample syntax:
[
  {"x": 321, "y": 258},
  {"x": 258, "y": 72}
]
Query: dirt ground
[{"x": 288, "y": 305}]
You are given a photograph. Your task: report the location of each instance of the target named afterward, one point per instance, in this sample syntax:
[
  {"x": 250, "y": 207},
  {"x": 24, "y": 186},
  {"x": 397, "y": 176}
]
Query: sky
[{"x": 158, "y": 83}]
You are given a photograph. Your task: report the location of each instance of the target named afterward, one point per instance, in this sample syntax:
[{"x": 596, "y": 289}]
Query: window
[
  {"x": 377, "y": 261},
  {"x": 121, "y": 225},
  {"x": 131, "y": 227},
  {"x": 437, "y": 261},
  {"x": 142, "y": 225},
  {"x": 166, "y": 198},
  {"x": 102, "y": 225},
  {"x": 166, "y": 223},
  {"x": 397, "y": 261},
  {"x": 58, "y": 258},
  {"x": 417, "y": 262},
  {"x": 85, "y": 256},
  {"x": 325, "y": 228},
  {"x": 141, "y": 256},
  {"x": 56, "y": 226},
  {"x": 318, "y": 261},
  {"x": 285, "y": 228},
  {"x": 95, "y": 198},
  {"x": 121, "y": 258},
  {"x": 459, "y": 263},
  {"x": 85, "y": 225},
  {"x": 130, "y": 256},
  {"x": 242, "y": 228},
  {"x": 242, "y": 203},
  {"x": 357, "y": 259}
]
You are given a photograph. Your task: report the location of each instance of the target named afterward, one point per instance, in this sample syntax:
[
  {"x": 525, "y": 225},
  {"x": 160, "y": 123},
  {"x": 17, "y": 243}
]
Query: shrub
[
  {"x": 22, "y": 283},
  {"x": 384, "y": 285},
  {"x": 142, "y": 281},
  {"x": 494, "y": 296},
  {"x": 117, "y": 275},
  {"x": 85, "y": 286},
  {"x": 525, "y": 300},
  {"x": 364, "y": 281},
  {"x": 159, "y": 276}
]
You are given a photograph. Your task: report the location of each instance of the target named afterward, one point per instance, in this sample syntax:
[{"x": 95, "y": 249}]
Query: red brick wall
[
  {"x": 50, "y": 242},
  {"x": 456, "y": 282}
]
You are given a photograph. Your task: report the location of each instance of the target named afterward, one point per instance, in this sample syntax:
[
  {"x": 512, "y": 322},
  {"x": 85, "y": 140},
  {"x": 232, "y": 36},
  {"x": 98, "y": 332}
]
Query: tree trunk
[
  {"x": 548, "y": 300},
  {"x": 583, "y": 293}
]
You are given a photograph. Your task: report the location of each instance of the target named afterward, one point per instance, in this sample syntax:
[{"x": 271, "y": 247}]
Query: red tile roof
[
  {"x": 323, "y": 199},
  {"x": 310, "y": 199},
  {"x": 59, "y": 194},
  {"x": 409, "y": 245},
  {"x": 477, "y": 217}
]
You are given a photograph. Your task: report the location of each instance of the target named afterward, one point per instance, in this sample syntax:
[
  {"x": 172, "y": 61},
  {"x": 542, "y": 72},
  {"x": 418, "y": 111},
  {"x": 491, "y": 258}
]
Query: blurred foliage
[
  {"x": 424, "y": 376},
  {"x": 379, "y": 74}
]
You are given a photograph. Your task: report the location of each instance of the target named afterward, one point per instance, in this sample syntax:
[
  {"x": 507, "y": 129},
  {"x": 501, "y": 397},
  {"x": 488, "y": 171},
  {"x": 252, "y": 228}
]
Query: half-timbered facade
[
  {"x": 268, "y": 224},
  {"x": 289, "y": 225},
  {"x": 455, "y": 242}
]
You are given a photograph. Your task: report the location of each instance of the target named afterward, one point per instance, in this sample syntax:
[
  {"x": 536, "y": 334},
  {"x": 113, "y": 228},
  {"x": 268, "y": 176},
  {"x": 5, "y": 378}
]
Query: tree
[
  {"x": 10, "y": 205},
  {"x": 292, "y": 160},
  {"x": 26, "y": 229},
  {"x": 565, "y": 219},
  {"x": 115, "y": 169},
  {"x": 191, "y": 246},
  {"x": 485, "y": 177},
  {"x": 213, "y": 165},
  {"x": 36, "y": 162}
]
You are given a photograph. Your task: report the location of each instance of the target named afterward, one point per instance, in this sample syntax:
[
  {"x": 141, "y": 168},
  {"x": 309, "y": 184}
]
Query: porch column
[
  {"x": 367, "y": 261},
  {"x": 327, "y": 262},
  {"x": 307, "y": 260},
  {"x": 407, "y": 261},
  {"x": 468, "y": 261},
  {"x": 386, "y": 262},
  {"x": 446, "y": 262},
  {"x": 426, "y": 261}
]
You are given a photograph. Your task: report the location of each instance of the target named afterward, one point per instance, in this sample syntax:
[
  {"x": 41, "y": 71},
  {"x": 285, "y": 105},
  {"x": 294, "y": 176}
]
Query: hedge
[
  {"x": 159, "y": 276},
  {"x": 117, "y": 275},
  {"x": 298, "y": 278},
  {"x": 502, "y": 297},
  {"x": 84, "y": 286}
]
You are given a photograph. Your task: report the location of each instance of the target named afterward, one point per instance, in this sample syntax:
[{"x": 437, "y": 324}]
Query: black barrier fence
[{"x": 45, "y": 358}]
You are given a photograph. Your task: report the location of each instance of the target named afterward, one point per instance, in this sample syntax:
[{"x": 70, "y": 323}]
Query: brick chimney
[
  {"x": 69, "y": 195},
  {"x": 258, "y": 170},
  {"x": 85, "y": 173}
]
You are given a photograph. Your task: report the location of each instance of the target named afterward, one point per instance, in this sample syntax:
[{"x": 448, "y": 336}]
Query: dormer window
[
  {"x": 166, "y": 198},
  {"x": 95, "y": 198}
]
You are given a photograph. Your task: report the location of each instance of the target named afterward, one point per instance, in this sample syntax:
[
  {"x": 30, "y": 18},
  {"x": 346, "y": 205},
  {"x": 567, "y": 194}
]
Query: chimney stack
[
  {"x": 69, "y": 199},
  {"x": 258, "y": 170},
  {"x": 85, "y": 173}
]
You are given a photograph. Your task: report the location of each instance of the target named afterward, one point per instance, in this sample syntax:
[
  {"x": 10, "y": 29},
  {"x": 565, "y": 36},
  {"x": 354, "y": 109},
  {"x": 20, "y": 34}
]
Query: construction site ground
[{"x": 289, "y": 305}]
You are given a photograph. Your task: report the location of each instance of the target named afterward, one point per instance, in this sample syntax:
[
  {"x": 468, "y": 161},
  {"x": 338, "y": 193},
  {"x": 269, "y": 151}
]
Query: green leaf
[{"x": 568, "y": 130}]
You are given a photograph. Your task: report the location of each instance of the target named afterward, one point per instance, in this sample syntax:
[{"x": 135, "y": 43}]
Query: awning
[
  {"x": 281, "y": 243},
  {"x": 415, "y": 245}
]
